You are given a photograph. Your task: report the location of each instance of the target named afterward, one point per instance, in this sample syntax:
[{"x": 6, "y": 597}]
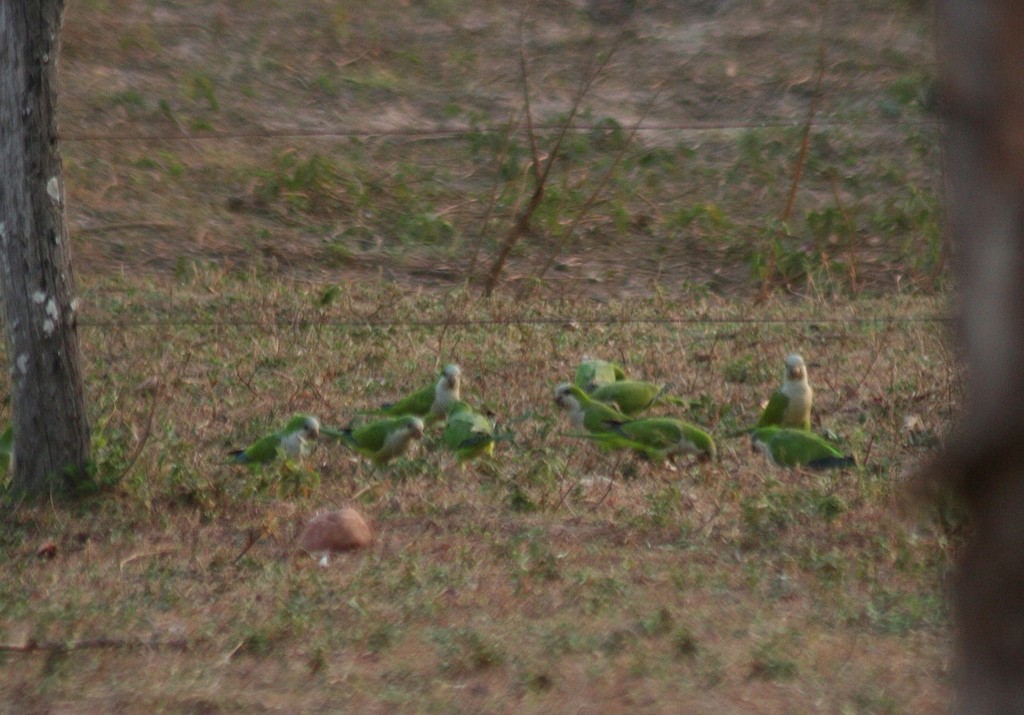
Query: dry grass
[
  {"x": 510, "y": 586},
  {"x": 392, "y": 138},
  {"x": 240, "y": 260}
]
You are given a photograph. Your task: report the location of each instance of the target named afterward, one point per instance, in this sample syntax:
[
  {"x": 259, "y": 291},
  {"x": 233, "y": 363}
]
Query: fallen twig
[
  {"x": 146, "y": 554},
  {"x": 251, "y": 537}
]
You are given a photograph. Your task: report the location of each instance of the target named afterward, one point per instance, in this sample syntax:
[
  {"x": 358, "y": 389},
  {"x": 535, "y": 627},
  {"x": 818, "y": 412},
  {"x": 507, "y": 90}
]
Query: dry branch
[
  {"x": 521, "y": 225},
  {"x": 798, "y": 169},
  {"x": 592, "y": 198}
]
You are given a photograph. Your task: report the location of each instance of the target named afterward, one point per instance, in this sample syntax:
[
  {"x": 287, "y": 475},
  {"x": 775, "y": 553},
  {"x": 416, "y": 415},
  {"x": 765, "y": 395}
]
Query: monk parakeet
[
  {"x": 292, "y": 440},
  {"x": 591, "y": 374},
  {"x": 790, "y": 405},
  {"x": 380, "y": 441},
  {"x": 467, "y": 433},
  {"x": 789, "y": 447},
  {"x": 6, "y": 448},
  {"x": 585, "y": 412},
  {"x": 631, "y": 397},
  {"x": 431, "y": 403},
  {"x": 659, "y": 438}
]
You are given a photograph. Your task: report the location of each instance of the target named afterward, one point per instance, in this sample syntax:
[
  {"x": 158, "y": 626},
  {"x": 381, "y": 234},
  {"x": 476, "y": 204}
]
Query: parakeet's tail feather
[
  {"x": 609, "y": 440},
  {"x": 342, "y": 435},
  {"x": 833, "y": 463},
  {"x": 238, "y": 455},
  {"x": 585, "y": 435},
  {"x": 476, "y": 440}
]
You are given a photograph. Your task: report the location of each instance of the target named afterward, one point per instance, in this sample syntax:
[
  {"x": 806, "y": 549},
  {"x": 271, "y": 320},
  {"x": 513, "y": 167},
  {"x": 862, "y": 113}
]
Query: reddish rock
[{"x": 341, "y": 530}]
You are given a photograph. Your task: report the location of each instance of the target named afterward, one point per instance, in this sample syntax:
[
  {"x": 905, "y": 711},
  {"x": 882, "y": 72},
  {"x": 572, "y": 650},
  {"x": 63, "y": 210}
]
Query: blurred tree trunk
[
  {"x": 51, "y": 432},
  {"x": 981, "y": 55}
]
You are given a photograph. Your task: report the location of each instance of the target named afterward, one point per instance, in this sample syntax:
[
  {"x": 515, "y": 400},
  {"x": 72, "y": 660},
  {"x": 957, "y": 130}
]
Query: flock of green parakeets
[{"x": 603, "y": 405}]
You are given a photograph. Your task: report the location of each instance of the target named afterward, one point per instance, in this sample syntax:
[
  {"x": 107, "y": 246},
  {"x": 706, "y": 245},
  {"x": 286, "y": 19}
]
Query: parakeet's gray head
[
  {"x": 757, "y": 443},
  {"x": 565, "y": 398},
  {"x": 306, "y": 426},
  {"x": 795, "y": 368},
  {"x": 451, "y": 374},
  {"x": 414, "y": 427}
]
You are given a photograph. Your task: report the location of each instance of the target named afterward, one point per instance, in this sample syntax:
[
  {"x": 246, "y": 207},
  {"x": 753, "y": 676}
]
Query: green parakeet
[
  {"x": 6, "y": 448},
  {"x": 430, "y": 403},
  {"x": 591, "y": 374},
  {"x": 659, "y": 438},
  {"x": 790, "y": 405},
  {"x": 292, "y": 440},
  {"x": 789, "y": 447},
  {"x": 586, "y": 413},
  {"x": 631, "y": 397},
  {"x": 467, "y": 433},
  {"x": 382, "y": 440}
]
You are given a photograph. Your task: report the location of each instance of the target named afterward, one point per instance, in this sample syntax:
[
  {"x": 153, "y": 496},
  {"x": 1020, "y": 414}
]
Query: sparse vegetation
[
  {"x": 303, "y": 222},
  {"x": 517, "y": 575}
]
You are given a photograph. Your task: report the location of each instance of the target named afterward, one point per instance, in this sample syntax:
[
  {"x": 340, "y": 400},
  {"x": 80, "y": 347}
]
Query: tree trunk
[
  {"x": 51, "y": 431},
  {"x": 982, "y": 87}
]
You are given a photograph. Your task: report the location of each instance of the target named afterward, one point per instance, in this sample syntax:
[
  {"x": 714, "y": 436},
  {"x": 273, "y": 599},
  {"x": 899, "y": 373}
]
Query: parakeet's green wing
[
  {"x": 594, "y": 373},
  {"x": 473, "y": 440},
  {"x": 6, "y": 448},
  {"x": 806, "y": 450},
  {"x": 262, "y": 451},
  {"x": 630, "y": 396},
  {"x": 468, "y": 433},
  {"x": 476, "y": 439},
  {"x": 651, "y": 434},
  {"x": 774, "y": 411},
  {"x": 418, "y": 403},
  {"x": 382, "y": 440},
  {"x": 371, "y": 437},
  {"x": 599, "y": 417},
  {"x": 791, "y": 447},
  {"x": 460, "y": 428}
]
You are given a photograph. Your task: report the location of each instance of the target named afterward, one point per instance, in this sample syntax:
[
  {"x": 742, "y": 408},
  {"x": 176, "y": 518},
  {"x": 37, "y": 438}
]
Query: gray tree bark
[
  {"x": 51, "y": 431},
  {"x": 981, "y": 56}
]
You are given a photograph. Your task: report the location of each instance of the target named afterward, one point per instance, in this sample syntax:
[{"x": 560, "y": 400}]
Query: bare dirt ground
[
  {"x": 274, "y": 207},
  {"x": 391, "y": 138}
]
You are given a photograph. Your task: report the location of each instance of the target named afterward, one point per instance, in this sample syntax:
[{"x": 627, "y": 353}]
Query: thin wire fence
[
  {"x": 306, "y": 322},
  {"x": 458, "y": 132}
]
